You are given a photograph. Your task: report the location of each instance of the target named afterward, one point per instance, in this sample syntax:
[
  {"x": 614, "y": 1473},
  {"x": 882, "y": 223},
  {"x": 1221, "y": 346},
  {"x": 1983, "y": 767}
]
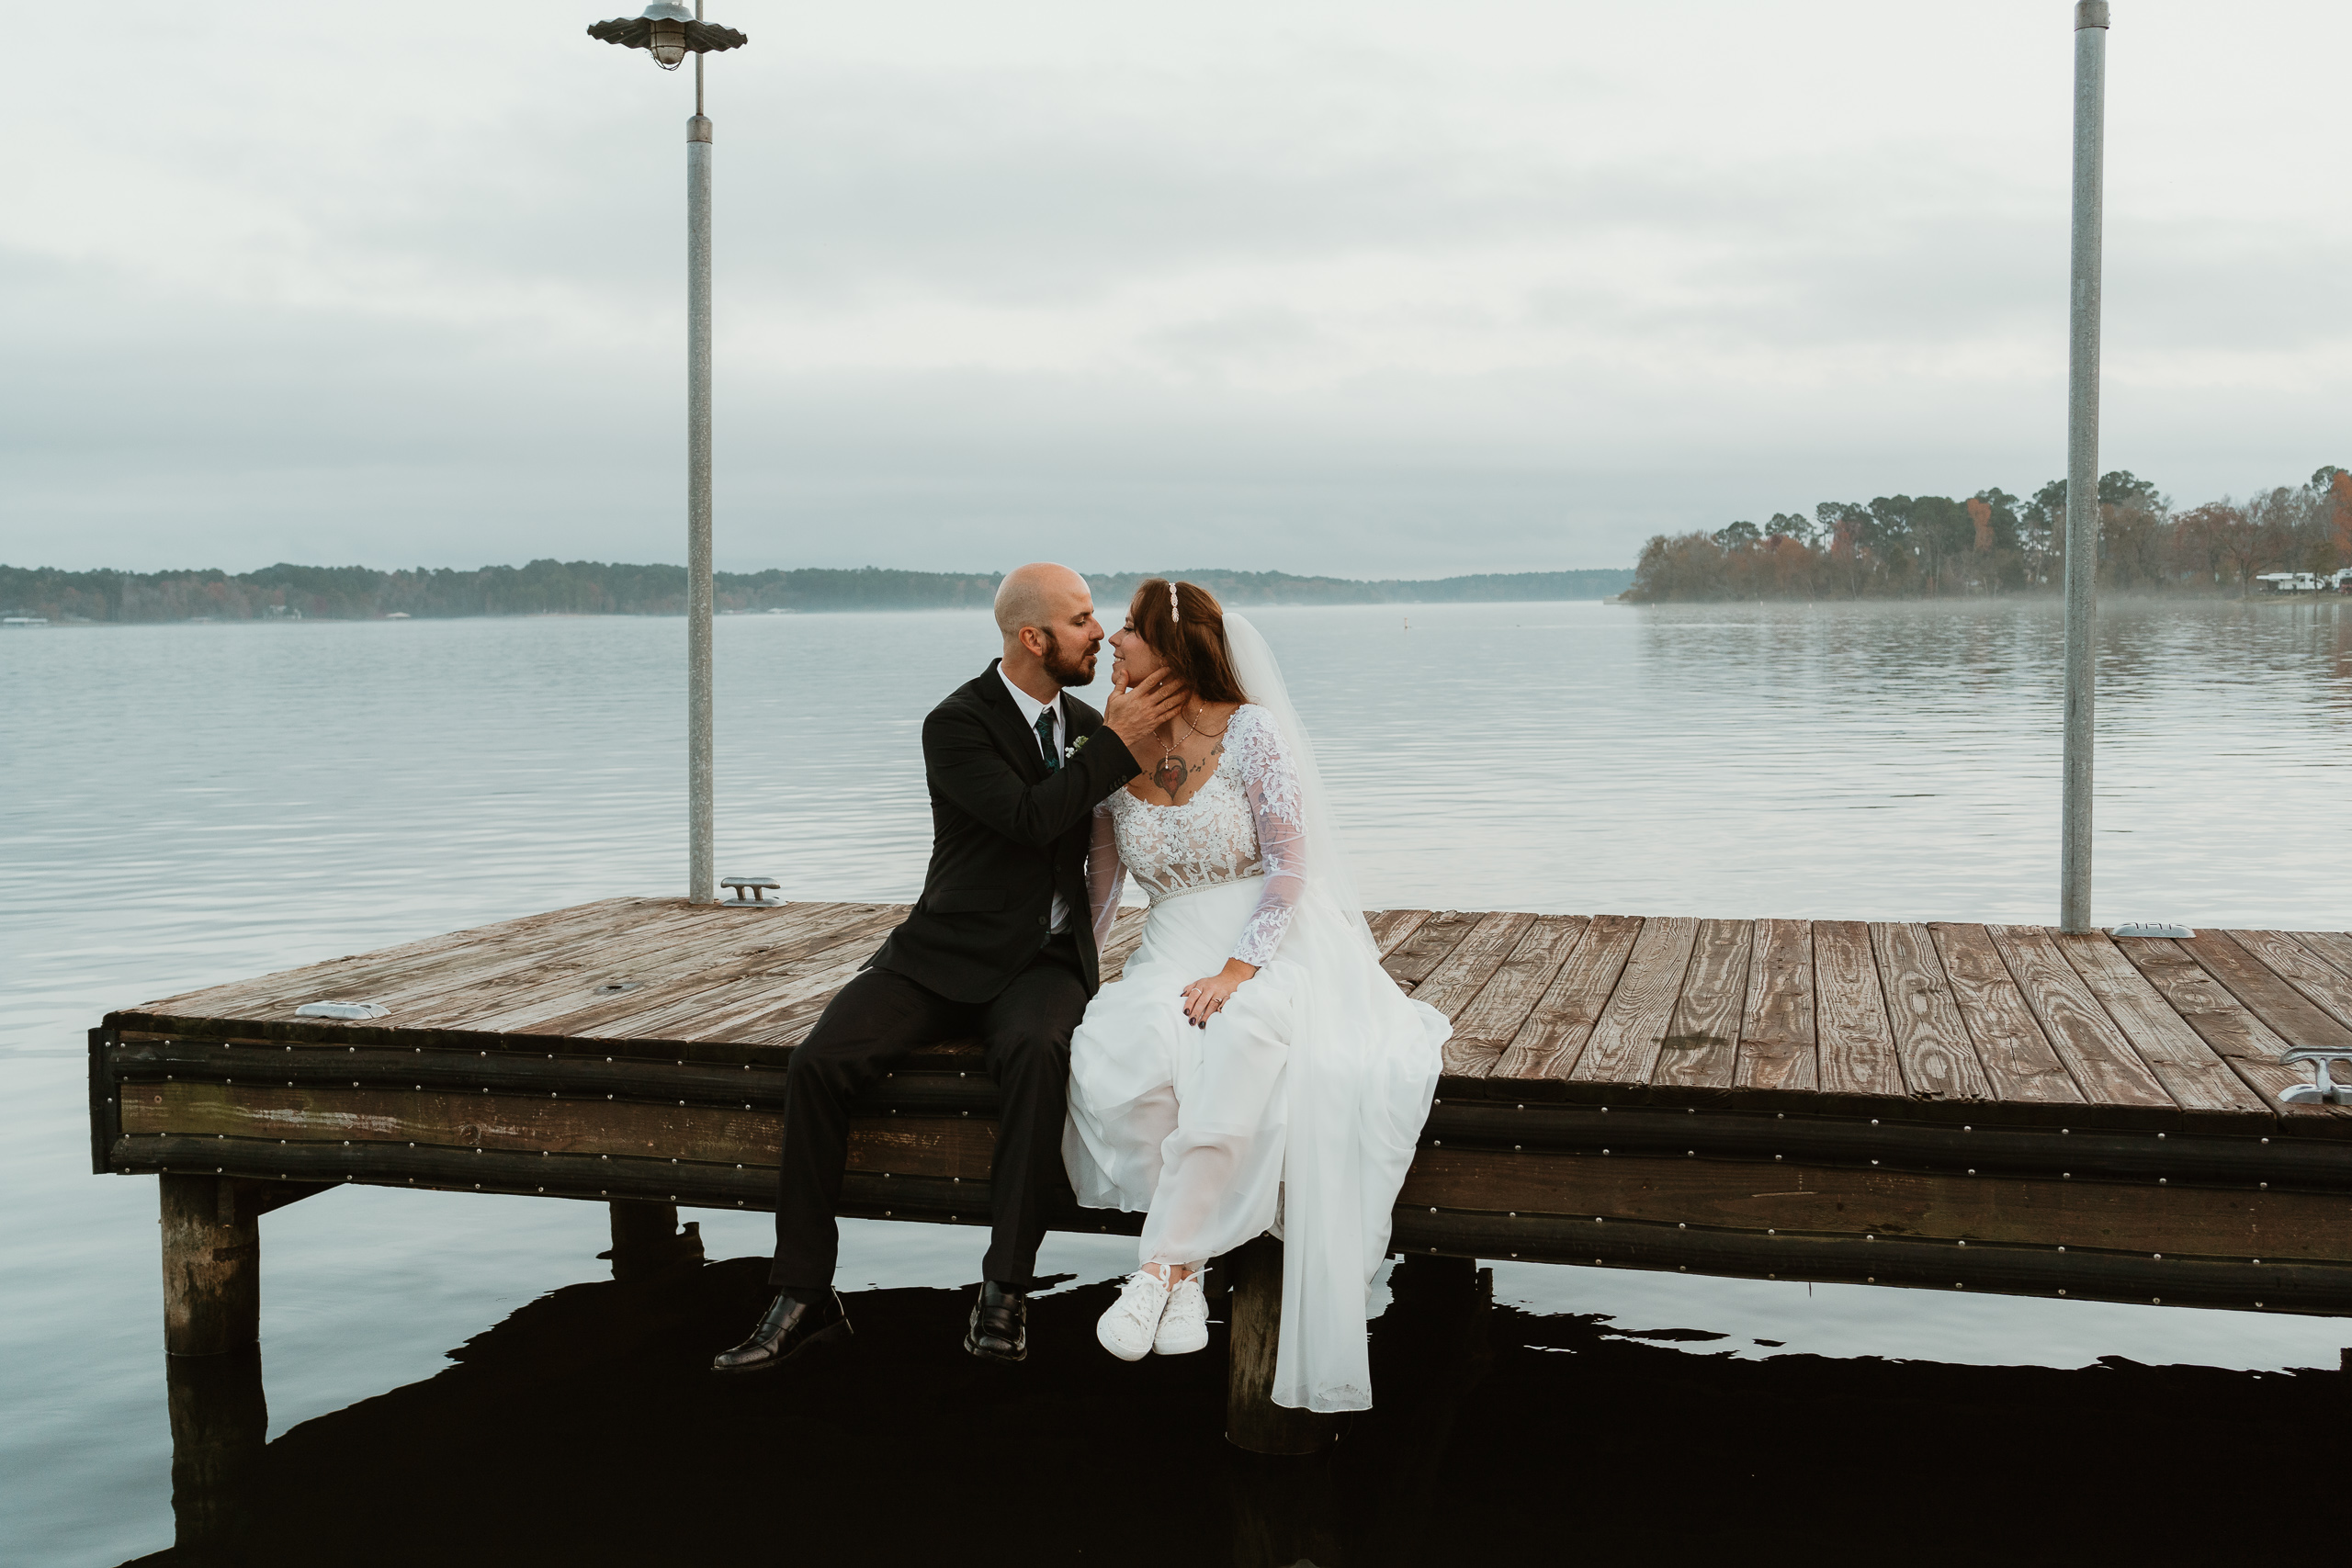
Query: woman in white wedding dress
[{"x": 1253, "y": 1069}]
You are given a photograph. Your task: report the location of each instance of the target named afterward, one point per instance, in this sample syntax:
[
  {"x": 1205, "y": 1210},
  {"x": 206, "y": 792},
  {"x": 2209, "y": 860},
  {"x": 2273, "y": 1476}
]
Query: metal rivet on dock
[
  {"x": 1518, "y": 1107},
  {"x": 1873, "y": 1121},
  {"x": 1434, "y": 1143},
  {"x": 1776, "y": 1156},
  {"x": 1604, "y": 1151},
  {"x": 1966, "y": 1129},
  {"x": 2157, "y": 1301},
  {"x": 2066, "y": 1175},
  {"x": 2258, "y": 1303},
  {"x": 1870, "y": 1279},
  {"x": 1869, "y": 1239},
  {"x": 1964, "y": 1244},
  {"x": 1874, "y": 1162},
  {"x": 1514, "y": 1148},
  {"x": 2159, "y": 1256},
  {"x": 1514, "y": 1214},
  {"x": 2262, "y": 1183},
  {"x": 1680, "y": 1227},
  {"x": 2265, "y": 1140}
]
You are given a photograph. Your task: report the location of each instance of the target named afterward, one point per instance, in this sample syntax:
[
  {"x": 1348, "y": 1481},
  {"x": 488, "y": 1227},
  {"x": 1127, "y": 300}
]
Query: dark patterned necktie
[{"x": 1045, "y": 741}]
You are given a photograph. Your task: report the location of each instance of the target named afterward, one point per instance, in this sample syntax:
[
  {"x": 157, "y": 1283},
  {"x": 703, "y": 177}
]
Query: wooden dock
[{"x": 1942, "y": 1106}]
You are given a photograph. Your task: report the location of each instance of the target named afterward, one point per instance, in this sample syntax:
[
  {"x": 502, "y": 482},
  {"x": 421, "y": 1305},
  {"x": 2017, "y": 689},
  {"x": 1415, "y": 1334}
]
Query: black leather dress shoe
[
  {"x": 1000, "y": 1330},
  {"x": 789, "y": 1327}
]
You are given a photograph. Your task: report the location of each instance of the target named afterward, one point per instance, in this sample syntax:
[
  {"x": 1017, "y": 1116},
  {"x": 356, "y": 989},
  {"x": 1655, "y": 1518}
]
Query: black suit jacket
[{"x": 1007, "y": 835}]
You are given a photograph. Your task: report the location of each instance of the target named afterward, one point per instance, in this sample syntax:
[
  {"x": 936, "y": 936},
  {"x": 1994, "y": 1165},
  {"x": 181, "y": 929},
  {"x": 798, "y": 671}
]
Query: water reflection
[{"x": 584, "y": 1429}]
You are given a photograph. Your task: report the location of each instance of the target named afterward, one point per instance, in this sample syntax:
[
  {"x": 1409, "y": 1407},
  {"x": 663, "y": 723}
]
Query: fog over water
[{"x": 181, "y": 805}]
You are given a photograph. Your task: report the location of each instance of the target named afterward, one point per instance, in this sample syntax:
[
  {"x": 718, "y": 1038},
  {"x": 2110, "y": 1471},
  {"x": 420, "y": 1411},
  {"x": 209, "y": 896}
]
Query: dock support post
[
  {"x": 647, "y": 1239},
  {"x": 701, "y": 878},
  {"x": 1252, "y": 1420},
  {"x": 211, "y": 1266},
  {"x": 2082, "y": 462},
  {"x": 220, "y": 1432}
]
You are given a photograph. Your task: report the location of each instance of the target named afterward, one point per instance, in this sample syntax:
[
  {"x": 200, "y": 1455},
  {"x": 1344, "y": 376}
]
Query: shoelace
[{"x": 1131, "y": 1296}]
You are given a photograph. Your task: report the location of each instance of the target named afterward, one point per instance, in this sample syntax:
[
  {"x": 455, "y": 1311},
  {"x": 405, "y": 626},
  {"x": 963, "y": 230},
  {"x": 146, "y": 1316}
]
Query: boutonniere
[{"x": 1075, "y": 747}]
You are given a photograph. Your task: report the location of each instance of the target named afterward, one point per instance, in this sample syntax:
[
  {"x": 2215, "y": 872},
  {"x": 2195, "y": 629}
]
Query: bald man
[{"x": 999, "y": 948}]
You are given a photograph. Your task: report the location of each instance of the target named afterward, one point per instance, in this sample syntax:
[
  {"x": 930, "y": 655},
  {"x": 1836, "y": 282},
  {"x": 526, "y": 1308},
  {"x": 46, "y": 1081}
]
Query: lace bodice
[{"x": 1246, "y": 819}]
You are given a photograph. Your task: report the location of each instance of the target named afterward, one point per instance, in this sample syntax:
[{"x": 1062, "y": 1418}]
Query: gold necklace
[{"x": 1170, "y": 777}]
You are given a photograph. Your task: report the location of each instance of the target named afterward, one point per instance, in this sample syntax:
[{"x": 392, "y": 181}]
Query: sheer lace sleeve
[
  {"x": 1280, "y": 815},
  {"x": 1106, "y": 878}
]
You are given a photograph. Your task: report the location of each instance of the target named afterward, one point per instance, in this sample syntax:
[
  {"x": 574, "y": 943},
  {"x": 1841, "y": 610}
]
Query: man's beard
[{"x": 1067, "y": 671}]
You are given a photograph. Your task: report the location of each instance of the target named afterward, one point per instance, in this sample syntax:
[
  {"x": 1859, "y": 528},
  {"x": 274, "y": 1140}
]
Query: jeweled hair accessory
[{"x": 1174, "y": 613}]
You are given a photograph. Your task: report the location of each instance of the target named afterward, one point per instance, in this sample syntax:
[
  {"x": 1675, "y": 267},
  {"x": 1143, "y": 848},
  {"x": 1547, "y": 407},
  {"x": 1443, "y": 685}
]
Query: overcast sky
[{"x": 1369, "y": 288}]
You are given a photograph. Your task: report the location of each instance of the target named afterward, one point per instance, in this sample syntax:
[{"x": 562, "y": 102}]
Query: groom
[{"x": 1000, "y": 946}]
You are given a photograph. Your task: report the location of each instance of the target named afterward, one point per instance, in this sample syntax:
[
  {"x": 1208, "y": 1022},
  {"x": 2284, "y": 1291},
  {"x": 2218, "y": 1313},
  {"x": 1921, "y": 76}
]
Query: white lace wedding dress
[{"x": 1298, "y": 1108}]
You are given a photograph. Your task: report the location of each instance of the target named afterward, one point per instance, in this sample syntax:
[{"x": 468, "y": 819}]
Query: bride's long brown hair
[{"x": 1188, "y": 632}]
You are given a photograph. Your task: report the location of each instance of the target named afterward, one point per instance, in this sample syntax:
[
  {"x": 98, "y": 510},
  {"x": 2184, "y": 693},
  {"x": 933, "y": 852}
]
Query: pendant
[{"x": 1171, "y": 774}]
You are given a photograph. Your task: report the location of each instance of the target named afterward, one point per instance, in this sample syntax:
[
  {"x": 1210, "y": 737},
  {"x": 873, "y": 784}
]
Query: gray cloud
[{"x": 1377, "y": 288}]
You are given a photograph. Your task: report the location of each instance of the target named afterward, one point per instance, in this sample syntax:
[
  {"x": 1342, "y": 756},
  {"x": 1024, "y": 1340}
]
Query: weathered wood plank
[
  {"x": 2320, "y": 983},
  {"x": 1779, "y": 1040},
  {"x": 2236, "y": 1035},
  {"x": 2017, "y": 1059},
  {"x": 360, "y": 976},
  {"x": 2104, "y": 1065},
  {"x": 675, "y": 1004},
  {"x": 1632, "y": 1030},
  {"x": 1126, "y": 935},
  {"x": 1391, "y": 926},
  {"x": 665, "y": 974},
  {"x": 1492, "y": 1016},
  {"x": 1931, "y": 1040},
  {"x": 1857, "y": 1053},
  {"x": 1548, "y": 1043},
  {"x": 2209, "y": 1093},
  {"x": 1465, "y": 970},
  {"x": 2290, "y": 1014},
  {"x": 1702, "y": 1046},
  {"x": 1803, "y": 1200},
  {"x": 452, "y": 994},
  {"x": 1462, "y": 974},
  {"x": 1413, "y": 960},
  {"x": 2333, "y": 947},
  {"x": 960, "y": 1147}
]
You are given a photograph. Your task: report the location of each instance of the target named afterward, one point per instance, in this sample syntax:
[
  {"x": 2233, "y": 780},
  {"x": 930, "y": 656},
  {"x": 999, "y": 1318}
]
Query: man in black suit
[{"x": 1000, "y": 946}]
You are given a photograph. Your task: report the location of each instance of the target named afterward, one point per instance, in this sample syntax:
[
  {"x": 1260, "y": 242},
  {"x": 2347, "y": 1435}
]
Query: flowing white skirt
[{"x": 1296, "y": 1110}]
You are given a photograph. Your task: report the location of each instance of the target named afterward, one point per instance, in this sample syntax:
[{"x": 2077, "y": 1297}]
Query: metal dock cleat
[
  {"x": 2323, "y": 1090},
  {"x": 758, "y": 886}
]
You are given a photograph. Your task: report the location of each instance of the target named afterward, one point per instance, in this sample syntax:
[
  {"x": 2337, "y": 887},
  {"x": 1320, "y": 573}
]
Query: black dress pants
[{"x": 869, "y": 1028}]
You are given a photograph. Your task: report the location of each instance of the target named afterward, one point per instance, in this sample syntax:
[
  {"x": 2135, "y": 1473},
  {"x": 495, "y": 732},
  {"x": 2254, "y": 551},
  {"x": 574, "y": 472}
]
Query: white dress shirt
[{"x": 1030, "y": 708}]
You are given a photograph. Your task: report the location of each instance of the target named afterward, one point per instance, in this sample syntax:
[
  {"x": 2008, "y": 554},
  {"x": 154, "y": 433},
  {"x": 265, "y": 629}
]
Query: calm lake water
[{"x": 183, "y": 804}]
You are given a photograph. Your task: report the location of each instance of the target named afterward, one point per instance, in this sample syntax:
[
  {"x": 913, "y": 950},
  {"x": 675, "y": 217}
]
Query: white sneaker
[
  {"x": 1184, "y": 1325},
  {"x": 1126, "y": 1330}
]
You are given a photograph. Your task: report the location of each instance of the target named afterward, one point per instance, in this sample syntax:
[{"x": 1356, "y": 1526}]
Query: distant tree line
[
  {"x": 597, "y": 588},
  {"x": 1900, "y": 546}
]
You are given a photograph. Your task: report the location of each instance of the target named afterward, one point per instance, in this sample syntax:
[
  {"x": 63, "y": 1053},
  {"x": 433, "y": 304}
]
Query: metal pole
[
  {"x": 2082, "y": 463},
  {"x": 701, "y": 879}
]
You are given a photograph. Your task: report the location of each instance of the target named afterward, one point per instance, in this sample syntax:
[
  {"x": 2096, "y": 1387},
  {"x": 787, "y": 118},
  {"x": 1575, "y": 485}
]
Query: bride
[{"x": 1253, "y": 1068}]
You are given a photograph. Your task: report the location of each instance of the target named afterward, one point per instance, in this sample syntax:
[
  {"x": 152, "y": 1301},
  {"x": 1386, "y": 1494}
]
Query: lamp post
[
  {"x": 2082, "y": 463},
  {"x": 669, "y": 32}
]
